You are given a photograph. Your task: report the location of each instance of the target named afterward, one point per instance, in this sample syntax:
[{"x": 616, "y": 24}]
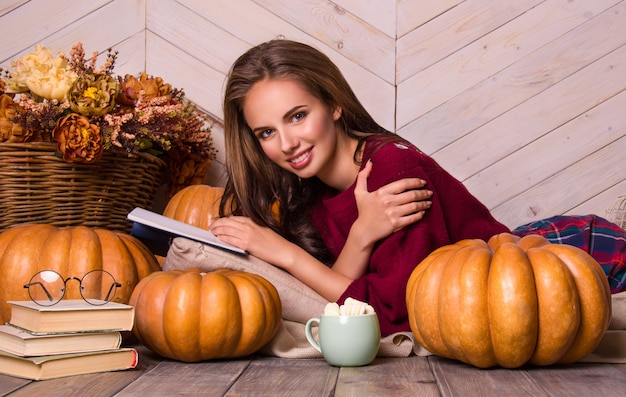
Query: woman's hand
[
  {"x": 391, "y": 207},
  {"x": 242, "y": 232},
  {"x": 265, "y": 244},
  {"x": 381, "y": 212}
]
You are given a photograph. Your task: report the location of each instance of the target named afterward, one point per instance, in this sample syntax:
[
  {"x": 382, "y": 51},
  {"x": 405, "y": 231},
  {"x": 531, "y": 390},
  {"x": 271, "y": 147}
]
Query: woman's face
[{"x": 295, "y": 129}]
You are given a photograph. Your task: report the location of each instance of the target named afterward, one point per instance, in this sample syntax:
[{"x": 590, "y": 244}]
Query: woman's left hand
[{"x": 391, "y": 207}]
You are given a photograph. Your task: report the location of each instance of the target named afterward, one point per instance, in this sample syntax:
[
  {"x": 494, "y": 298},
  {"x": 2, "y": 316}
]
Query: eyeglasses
[{"x": 47, "y": 287}]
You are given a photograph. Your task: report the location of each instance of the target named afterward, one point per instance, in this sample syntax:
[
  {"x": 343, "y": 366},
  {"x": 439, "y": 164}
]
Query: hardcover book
[
  {"x": 22, "y": 343},
  {"x": 73, "y": 315},
  {"x": 156, "y": 231},
  {"x": 56, "y": 366}
]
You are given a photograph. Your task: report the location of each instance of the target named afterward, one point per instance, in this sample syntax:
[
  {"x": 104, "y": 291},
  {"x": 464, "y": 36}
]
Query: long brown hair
[{"x": 256, "y": 186}]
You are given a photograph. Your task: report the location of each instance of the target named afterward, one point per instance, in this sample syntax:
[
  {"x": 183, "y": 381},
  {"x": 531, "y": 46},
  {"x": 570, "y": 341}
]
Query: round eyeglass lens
[
  {"x": 46, "y": 288},
  {"x": 98, "y": 287}
]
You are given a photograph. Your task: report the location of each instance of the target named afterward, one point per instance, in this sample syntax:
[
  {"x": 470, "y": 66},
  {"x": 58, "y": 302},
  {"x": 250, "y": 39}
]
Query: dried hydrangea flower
[
  {"x": 93, "y": 94},
  {"x": 78, "y": 140}
]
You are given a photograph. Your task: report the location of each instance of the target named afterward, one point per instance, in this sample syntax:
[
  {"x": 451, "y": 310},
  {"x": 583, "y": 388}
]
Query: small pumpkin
[
  {"x": 508, "y": 302},
  {"x": 196, "y": 205},
  {"x": 71, "y": 251},
  {"x": 192, "y": 316}
]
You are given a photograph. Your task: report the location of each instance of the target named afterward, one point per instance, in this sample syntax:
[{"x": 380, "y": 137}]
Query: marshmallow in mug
[{"x": 351, "y": 307}]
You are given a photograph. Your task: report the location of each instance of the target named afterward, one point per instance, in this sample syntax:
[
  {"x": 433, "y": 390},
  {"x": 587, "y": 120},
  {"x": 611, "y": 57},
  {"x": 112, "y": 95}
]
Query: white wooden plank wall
[{"x": 522, "y": 100}]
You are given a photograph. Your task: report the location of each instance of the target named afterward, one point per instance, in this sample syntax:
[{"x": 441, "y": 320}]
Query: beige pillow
[{"x": 612, "y": 347}]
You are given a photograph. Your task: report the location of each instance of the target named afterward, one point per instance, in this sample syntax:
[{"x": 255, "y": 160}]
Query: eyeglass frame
[{"x": 113, "y": 287}]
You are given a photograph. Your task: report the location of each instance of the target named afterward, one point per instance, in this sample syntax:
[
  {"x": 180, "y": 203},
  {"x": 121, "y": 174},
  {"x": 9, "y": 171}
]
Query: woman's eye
[
  {"x": 298, "y": 116},
  {"x": 264, "y": 134}
]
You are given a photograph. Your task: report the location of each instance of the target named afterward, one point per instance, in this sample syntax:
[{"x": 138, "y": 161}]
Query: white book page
[{"x": 158, "y": 221}]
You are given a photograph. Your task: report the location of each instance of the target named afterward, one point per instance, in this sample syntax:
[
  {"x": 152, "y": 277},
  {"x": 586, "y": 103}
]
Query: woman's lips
[{"x": 301, "y": 160}]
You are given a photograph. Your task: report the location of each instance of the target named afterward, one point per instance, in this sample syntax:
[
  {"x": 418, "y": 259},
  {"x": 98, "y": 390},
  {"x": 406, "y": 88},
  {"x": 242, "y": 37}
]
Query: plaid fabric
[{"x": 603, "y": 240}]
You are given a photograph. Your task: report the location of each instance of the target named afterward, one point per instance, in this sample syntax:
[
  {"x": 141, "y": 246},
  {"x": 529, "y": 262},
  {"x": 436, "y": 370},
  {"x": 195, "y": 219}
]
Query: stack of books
[{"x": 69, "y": 338}]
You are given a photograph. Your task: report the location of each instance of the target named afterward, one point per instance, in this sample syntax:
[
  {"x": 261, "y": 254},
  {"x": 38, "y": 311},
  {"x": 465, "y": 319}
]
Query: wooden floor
[{"x": 269, "y": 376}]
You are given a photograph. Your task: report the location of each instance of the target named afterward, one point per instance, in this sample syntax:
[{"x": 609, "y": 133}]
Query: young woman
[
  {"x": 316, "y": 187},
  {"x": 319, "y": 189}
]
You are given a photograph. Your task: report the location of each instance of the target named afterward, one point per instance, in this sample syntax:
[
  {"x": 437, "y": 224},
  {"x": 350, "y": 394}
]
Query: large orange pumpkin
[
  {"x": 191, "y": 316},
  {"x": 71, "y": 251},
  {"x": 196, "y": 205},
  {"x": 509, "y": 302}
]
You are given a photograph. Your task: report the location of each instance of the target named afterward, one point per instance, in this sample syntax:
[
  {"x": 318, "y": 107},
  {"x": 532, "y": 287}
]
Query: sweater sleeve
[{"x": 454, "y": 215}]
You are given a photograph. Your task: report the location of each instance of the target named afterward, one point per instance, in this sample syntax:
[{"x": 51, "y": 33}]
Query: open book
[{"x": 156, "y": 231}]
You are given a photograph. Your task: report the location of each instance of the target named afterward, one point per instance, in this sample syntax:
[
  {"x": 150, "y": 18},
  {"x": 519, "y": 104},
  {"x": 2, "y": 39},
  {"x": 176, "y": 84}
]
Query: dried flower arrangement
[{"x": 87, "y": 110}]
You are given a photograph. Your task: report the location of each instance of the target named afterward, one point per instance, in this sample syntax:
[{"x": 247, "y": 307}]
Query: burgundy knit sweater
[{"x": 454, "y": 215}]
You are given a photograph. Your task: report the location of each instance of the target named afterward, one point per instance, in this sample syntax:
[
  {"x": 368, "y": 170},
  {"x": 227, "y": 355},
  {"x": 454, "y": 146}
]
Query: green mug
[{"x": 346, "y": 341}]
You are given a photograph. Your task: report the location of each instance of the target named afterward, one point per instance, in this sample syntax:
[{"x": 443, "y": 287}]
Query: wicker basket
[
  {"x": 617, "y": 213},
  {"x": 38, "y": 187}
]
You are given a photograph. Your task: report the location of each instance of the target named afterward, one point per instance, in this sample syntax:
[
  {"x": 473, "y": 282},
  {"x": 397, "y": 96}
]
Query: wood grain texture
[
  {"x": 388, "y": 377},
  {"x": 70, "y": 26},
  {"x": 43, "y": 18},
  {"x": 209, "y": 378},
  {"x": 586, "y": 379},
  {"x": 481, "y": 59},
  {"x": 453, "y": 30},
  {"x": 260, "y": 375},
  {"x": 553, "y": 152},
  {"x": 520, "y": 81},
  {"x": 413, "y": 14},
  {"x": 381, "y": 14},
  {"x": 535, "y": 117},
  {"x": 269, "y": 376},
  {"x": 341, "y": 30},
  {"x": 596, "y": 172},
  {"x": 9, "y": 5},
  {"x": 457, "y": 379}
]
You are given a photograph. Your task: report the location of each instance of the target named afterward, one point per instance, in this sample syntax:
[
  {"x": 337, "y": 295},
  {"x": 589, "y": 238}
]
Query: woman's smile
[{"x": 302, "y": 159}]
